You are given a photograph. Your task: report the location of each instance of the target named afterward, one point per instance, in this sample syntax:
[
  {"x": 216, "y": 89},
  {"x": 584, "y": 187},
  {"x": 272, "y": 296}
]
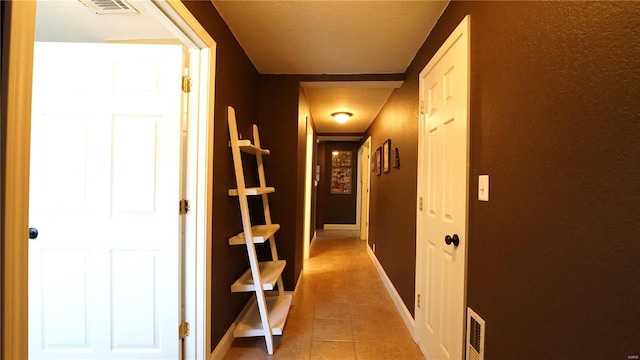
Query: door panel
[
  {"x": 104, "y": 190},
  {"x": 443, "y": 178}
]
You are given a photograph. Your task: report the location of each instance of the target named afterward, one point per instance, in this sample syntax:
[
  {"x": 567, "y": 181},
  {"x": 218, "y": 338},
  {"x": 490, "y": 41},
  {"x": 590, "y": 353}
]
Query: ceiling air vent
[
  {"x": 110, "y": 6},
  {"x": 475, "y": 336}
]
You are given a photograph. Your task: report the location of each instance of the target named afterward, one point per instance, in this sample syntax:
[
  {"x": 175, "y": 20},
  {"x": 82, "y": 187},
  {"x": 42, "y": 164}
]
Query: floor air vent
[
  {"x": 110, "y": 6},
  {"x": 475, "y": 336}
]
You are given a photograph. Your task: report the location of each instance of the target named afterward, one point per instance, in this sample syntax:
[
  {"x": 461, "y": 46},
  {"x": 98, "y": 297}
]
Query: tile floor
[{"x": 341, "y": 311}]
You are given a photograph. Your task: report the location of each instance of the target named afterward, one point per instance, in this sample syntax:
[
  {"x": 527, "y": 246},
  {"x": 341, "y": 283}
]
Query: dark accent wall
[
  {"x": 284, "y": 133},
  {"x": 336, "y": 208},
  {"x": 554, "y": 117},
  {"x": 237, "y": 84}
]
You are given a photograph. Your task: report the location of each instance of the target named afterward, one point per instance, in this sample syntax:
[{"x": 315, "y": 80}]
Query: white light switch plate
[{"x": 483, "y": 187}]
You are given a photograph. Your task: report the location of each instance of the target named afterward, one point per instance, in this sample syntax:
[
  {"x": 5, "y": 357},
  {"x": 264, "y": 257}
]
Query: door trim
[
  {"x": 308, "y": 187},
  {"x": 21, "y": 16},
  {"x": 461, "y": 32},
  {"x": 365, "y": 168},
  {"x": 22, "y": 20}
]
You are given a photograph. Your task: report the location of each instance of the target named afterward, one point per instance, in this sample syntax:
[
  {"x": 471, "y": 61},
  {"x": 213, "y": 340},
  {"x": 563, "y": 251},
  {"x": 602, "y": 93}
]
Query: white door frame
[
  {"x": 365, "y": 184},
  {"x": 306, "y": 238},
  {"x": 461, "y": 32},
  {"x": 16, "y": 189}
]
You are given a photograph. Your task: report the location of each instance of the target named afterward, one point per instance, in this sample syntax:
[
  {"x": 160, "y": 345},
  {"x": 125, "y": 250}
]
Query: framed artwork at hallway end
[
  {"x": 341, "y": 176},
  {"x": 386, "y": 156}
]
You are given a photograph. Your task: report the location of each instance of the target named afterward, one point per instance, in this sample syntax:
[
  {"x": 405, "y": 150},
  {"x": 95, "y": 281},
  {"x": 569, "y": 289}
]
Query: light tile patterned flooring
[{"x": 342, "y": 311}]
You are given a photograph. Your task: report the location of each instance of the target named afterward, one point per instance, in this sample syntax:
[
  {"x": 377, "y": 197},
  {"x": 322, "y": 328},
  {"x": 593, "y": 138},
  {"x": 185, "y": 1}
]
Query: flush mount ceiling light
[{"x": 342, "y": 116}]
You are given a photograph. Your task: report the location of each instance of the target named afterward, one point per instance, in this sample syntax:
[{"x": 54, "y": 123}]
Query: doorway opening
[
  {"x": 365, "y": 183},
  {"x": 195, "y": 182}
]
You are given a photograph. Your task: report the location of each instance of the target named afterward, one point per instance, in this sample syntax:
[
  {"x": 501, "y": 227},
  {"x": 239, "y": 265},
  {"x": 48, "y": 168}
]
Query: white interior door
[
  {"x": 442, "y": 212},
  {"x": 104, "y": 187}
]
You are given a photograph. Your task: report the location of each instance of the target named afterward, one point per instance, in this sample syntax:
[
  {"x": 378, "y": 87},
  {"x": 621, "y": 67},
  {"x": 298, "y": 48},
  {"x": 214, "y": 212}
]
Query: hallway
[{"x": 342, "y": 310}]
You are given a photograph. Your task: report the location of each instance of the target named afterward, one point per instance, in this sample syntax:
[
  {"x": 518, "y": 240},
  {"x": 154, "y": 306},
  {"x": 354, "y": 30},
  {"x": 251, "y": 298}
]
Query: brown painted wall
[
  {"x": 279, "y": 123},
  {"x": 237, "y": 85},
  {"x": 337, "y": 208},
  {"x": 392, "y": 216},
  {"x": 552, "y": 263}
]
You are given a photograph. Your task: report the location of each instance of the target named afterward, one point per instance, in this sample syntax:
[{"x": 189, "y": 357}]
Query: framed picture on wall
[
  {"x": 374, "y": 162},
  {"x": 378, "y": 158},
  {"x": 341, "y": 180},
  {"x": 386, "y": 156}
]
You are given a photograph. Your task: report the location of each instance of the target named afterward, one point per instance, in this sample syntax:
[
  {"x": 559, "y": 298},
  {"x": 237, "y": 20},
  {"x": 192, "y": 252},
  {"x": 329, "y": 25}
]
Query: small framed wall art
[
  {"x": 386, "y": 156},
  {"x": 378, "y": 159}
]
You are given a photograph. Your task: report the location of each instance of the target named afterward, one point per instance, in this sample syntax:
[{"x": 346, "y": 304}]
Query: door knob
[
  {"x": 33, "y": 233},
  {"x": 455, "y": 240}
]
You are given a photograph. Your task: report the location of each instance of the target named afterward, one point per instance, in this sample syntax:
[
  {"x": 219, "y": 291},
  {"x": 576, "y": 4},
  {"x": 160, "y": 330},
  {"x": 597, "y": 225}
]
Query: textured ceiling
[
  {"x": 363, "y": 99},
  {"x": 334, "y": 37},
  {"x": 286, "y": 37},
  {"x": 331, "y": 37},
  {"x": 72, "y": 21}
]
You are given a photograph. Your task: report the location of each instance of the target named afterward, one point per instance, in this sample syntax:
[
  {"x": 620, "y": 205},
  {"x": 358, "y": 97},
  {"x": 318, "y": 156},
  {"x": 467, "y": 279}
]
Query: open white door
[
  {"x": 105, "y": 160},
  {"x": 443, "y": 197}
]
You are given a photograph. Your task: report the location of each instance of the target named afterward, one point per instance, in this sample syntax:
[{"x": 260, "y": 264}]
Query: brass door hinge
[
  {"x": 422, "y": 111},
  {"x": 185, "y": 207},
  {"x": 186, "y": 84},
  {"x": 183, "y": 330},
  {"x": 418, "y": 300}
]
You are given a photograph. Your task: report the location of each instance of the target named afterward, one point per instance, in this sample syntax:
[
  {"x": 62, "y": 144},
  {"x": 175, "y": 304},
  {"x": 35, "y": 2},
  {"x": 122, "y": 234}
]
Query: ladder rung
[
  {"x": 247, "y": 147},
  {"x": 261, "y": 233},
  {"x": 270, "y": 272},
  {"x": 253, "y": 191}
]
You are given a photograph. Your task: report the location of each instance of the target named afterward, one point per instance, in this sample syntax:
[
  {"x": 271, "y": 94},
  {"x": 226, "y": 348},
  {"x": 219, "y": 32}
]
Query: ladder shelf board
[
  {"x": 253, "y": 191},
  {"x": 261, "y": 233},
  {"x": 247, "y": 147},
  {"x": 251, "y": 325},
  {"x": 270, "y": 272}
]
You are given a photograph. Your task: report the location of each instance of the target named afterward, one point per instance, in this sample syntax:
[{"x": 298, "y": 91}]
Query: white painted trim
[
  {"x": 345, "y": 227},
  {"x": 365, "y": 167},
  {"x": 186, "y": 27},
  {"x": 227, "y": 340},
  {"x": 225, "y": 343},
  {"x": 409, "y": 322},
  {"x": 308, "y": 189}
]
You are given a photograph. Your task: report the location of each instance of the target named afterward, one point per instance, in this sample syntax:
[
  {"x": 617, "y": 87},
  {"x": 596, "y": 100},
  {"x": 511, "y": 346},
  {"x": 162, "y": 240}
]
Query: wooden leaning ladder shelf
[{"x": 266, "y": 315}]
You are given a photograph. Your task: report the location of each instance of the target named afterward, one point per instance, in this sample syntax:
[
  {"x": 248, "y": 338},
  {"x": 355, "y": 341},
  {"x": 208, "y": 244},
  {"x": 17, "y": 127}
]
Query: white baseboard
[
  {"x": 409, "y": 322},
  {"x": 227, "y": 340},
  {"x": 346, "y": 227}
]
